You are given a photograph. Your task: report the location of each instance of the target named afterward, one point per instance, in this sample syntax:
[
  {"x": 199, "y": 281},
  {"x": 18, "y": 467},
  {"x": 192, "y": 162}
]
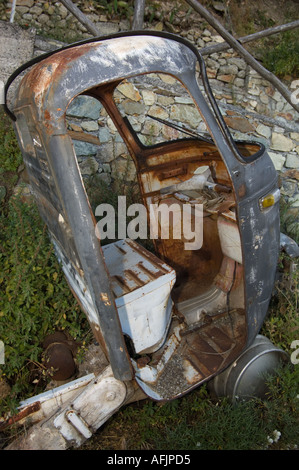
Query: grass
[
  {"x": 199, "y": 422},
  {"x": 278, "y": 53},
  {"x": 115, "y": 8},
  {"x": 196, "y": 422},
  {"x": 38, "y": 300},
  {"x": 282, "y": 323},
  {"x": 281, "y": 55},
  {"x": 289, "y": 221},
  {"x": 35, "y": 301},
  {"x": 10, "y": 157}
]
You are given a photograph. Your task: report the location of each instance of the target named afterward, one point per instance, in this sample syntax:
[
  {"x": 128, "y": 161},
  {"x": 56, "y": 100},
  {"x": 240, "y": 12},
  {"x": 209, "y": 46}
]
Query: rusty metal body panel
[{"x": 221, "y": 295}]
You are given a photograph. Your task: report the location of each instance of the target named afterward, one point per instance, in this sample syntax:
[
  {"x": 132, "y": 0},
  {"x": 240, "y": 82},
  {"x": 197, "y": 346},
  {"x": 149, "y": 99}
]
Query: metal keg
[{"x": 247, "y": 376}]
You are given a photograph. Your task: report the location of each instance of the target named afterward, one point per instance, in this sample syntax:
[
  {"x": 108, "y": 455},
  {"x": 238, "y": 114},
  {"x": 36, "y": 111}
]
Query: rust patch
[
  {"x": 105, "y": 298},
  {"x": 242, "y": 190},
  {"x": 171, "y": 173},
  {"x": 47, "y": 72},
  {"x": 225, "y": 277},
  {"x": 151, "y": 274},
  {"x": 84, "y": 137},
  {"x": 202, "y": 353},
  {"x": 30, "y": 409},
  {"x": 131, "y": 274},
  {"x": 143, "y": 361},
  {"x": 47, "y": 115},
  {"x": 122, "y": 283},
  {"x": 59, "y": 353}
]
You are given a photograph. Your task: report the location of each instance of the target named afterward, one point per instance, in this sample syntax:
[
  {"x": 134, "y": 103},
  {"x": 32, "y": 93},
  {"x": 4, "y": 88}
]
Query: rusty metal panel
[
  {"x": 193, "y": 354},
  {"x": 95, "y": 68}
]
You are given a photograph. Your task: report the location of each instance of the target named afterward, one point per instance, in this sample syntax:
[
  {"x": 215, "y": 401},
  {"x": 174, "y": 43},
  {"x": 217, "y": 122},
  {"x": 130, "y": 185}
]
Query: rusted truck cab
[{"x": 214, "y": 297}]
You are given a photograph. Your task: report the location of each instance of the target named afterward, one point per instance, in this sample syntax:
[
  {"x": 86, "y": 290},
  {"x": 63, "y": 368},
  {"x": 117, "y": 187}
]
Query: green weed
[
  {"x": 35, "y": 300},
  {"x": 10, "y": 155},
  {"x": 196, "y": 422},
  {"x": 282, "y": 322},
  {"x": 282, "y": 56},
  {"x": 289, "y": 223},
  {"x": 116, "y": 8}
]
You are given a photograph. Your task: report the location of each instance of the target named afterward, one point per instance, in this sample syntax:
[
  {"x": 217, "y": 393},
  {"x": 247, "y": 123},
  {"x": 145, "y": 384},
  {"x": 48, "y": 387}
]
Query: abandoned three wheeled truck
[{"x": 174, "y": 319}]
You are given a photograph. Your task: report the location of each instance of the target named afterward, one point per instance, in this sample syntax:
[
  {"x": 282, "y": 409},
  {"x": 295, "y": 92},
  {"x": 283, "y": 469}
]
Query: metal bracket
[
  {"x": 76, "y": 419},
  {"x": 89, "y": 410}
]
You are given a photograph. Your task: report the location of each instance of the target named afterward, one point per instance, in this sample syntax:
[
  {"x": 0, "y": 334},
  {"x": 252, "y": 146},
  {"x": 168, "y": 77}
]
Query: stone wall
[
  {"x": 252, "y": 108},
  {"x": 164, "y": 101},
  {"x": 51, "y": 18}
]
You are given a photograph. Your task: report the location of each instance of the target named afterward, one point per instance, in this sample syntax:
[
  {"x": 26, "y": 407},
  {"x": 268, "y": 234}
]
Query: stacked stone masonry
[{"x": 252, "y": 108}]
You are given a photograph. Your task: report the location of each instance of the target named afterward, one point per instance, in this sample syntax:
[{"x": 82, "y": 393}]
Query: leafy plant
[
  {"x": 35, "y": 300},
  {"x": 10, "y": 155},
  {"x": 282, "y": 322},
  {"x": 282, "y": 56},
  {"x": 196, "y": 422},
  {"x": 119, "y": 8},
  {"x": 289, "y": 220}
]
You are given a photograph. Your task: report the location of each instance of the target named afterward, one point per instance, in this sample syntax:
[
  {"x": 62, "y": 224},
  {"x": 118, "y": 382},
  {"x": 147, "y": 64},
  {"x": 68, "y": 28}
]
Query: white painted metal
[
  {"x": 141, "y": 284},
  {"x": 51, "y": 400},
  {"x": 97, "y": 402},
  {"x": 58, "y": 393},
  {"x": 193, "y": 309},
  {"x": 78, "y": 423},
  {"x": 74, "y": 421},
  {"x": 149, "y": 373}
]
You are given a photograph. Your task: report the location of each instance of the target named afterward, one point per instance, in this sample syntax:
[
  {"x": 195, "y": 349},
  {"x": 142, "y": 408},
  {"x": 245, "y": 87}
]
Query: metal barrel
[{"x": 247, "y": 376}]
